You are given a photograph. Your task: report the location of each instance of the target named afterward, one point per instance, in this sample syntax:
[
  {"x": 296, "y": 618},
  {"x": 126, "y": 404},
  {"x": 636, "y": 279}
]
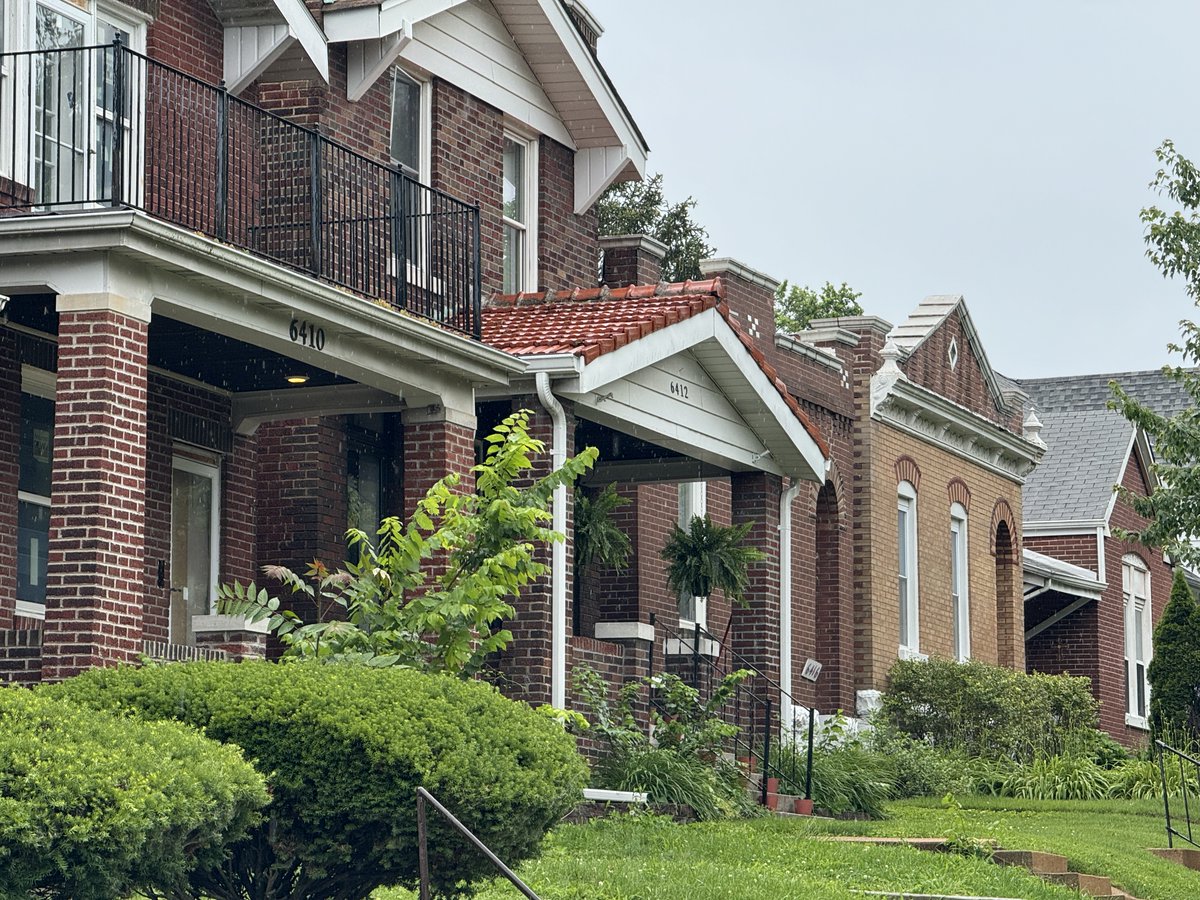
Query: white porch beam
[
  {"x": 250, "y": 50},
  {"x": 369, "y": 59},
  {"x": 596, "y": 169},
  {"x": 379, "y": 20},
  {"x": 252, "y": 408}
]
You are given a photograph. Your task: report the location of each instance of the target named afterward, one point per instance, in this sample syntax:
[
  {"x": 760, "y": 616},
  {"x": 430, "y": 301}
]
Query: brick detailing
[
  {"x": 907, "y": 470},
  {"x": 755, "y": 634},
  {"x": 1002, "y": 514},
  {"x": 431, "y": 451},
  {"x": 627, "y": 263},
  {"x": 189, "y": 37},
  {"x": 161, "y": 651},
  {"x": 21, "y": 656},
  {"x": 958, "y": 492},
  {"x": 568, "y": 252},
  {"x": 1010, "y": 611},
  {"x": 10, "y": 444},
  {"x": 94, "y": 586}
]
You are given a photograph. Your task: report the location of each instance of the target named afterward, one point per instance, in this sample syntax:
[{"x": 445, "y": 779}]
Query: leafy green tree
[
  {"x": 1174, "y": 671},
  {"x": 1172, "y": 511},
  {"x": 796, "y": 306},
  {"x": 429, "y": 593},
  {"x": 639, "y": 207}
]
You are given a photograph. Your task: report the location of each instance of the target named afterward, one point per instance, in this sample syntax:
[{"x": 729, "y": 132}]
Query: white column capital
[{"x": 104, "y": 301}]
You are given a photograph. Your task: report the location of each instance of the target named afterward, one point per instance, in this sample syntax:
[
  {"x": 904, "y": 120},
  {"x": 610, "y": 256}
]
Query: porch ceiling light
[{"x": 296, "y": 379}]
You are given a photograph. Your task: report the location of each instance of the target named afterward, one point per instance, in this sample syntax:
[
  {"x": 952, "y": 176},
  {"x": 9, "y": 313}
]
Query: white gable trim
[
  {"x": 305, "y": 30},
  {"x": 596, "y": 168},
  {"x": 367, "y": 60},
  {"x": 381, "y": 20},
  {"x": 250, "y": 50}
]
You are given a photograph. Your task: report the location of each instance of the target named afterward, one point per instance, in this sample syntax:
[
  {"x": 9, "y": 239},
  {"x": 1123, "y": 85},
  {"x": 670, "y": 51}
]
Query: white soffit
[{"x": 253, "y": 45}]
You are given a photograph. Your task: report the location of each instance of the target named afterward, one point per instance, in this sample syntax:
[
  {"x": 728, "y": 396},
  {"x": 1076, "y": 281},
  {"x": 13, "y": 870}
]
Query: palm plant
[{"x": 708, "y": 557}]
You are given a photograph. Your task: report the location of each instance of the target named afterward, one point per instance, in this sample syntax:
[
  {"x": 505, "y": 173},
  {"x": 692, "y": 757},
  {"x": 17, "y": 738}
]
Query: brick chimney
[
  {"x": 586, "y": 24},
  {"x": 632, "y": 259},
  {"x": 750, "y": 295}
]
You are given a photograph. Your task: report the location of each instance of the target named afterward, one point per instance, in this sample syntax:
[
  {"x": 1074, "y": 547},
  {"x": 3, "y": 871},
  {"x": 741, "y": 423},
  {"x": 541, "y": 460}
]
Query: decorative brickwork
[
  {"x": 94, "y": 587},
  {"x": 958, "y": 492},
  {"x": 907, "y": 470}
]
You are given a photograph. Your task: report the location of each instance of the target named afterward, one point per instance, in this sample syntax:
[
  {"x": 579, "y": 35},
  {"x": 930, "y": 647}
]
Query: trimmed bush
[
  {"x": 1174, "y": 671},
  {"x": 988, "y": 711},
  {"x": 345, "y": 748},
  {"x": 94, "y": 806}
]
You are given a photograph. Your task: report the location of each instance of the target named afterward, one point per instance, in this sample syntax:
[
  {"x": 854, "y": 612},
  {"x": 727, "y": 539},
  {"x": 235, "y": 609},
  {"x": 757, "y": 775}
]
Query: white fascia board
[
  {"x": 820, "y": 355},
  {"x": 653, "y": 348},
  {"x": 250, "y": 50},
  {"x": 367, "y": 60},
  {"x": 558, "y": 364},
  {"x": 1125, "y": 461},
  {"x": 379, "y": 20},
  {"x": 305, "y": 29},
  {"x": 1056, "y": 527}
]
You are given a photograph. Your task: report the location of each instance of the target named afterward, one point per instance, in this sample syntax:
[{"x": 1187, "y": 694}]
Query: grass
[{"x": 637, "y": 858}]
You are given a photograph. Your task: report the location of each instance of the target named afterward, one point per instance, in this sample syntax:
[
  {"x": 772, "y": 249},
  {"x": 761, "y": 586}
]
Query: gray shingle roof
[
  {"x": 1076, "y": 392},
  {"x": 1085, "y": 456}
]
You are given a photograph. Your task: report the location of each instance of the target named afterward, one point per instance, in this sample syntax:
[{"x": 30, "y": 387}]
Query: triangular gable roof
[
  {"x": 928, "y": 317},
  {"x": 599, "y": 327}
]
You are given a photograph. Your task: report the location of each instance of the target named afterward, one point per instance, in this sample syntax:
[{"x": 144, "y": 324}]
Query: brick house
[
  {"x": 239, "y": 318},
  {"x": 1091, "y": 599}
]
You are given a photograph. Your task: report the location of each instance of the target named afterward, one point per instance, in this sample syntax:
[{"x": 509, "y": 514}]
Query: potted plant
[{"x": 707, "y": 557}]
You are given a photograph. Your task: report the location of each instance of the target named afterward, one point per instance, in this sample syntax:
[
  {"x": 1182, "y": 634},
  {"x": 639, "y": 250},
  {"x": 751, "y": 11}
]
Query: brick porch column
[
  {"x": 437, "y": 441},
  {"x": 94, "y": 586},
  {"x": 10, "y": 449},
  {"x": 755, "y": 631}
]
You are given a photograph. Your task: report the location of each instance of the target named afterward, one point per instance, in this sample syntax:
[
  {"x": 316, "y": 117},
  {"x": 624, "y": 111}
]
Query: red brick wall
[
  {"x": 21, "y": 656},
  {"x": 568, "y": 251},
  {"x": 10, "y": 447},
  {"x": 94, "y": 585},
  {"x": 929, "y": 367},
  {"x": 188, "y": 37}
]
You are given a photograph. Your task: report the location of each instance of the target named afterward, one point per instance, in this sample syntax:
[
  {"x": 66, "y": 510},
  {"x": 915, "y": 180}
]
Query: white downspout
[
  {"x": 558, "y": 551},
  {"x": 785, "y": 598}
]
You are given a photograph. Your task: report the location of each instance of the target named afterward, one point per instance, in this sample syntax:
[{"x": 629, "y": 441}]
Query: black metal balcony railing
[{"x": 82, "y": 127}]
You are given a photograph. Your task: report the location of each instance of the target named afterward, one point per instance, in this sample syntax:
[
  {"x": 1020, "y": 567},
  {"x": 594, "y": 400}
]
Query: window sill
[
  {"x": 216, "y": 623},
  {"x": 908, "y": 653},
  {"x": 1139, "y": 722},
  {"x": 29, "y": 610}
]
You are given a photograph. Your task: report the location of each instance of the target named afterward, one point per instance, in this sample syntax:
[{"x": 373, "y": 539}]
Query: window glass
[
  {"x": 193, "y": 545},
  {"x": 959, "y": 586},
  {"x": 364, "y": 490},
  {"x": 902, "y": 532},
  {"x": 37, "y": 445},
  {"x": 33, "y": 533},
  {"x": 514, "y": 181},
  {"x": 517, "y": 232},
  {"x": 1136, "y": 583},
  {"x": 406, "y": 123},
  {"x": 906, "y": 546},
  {"x": 693, "y": 503}
]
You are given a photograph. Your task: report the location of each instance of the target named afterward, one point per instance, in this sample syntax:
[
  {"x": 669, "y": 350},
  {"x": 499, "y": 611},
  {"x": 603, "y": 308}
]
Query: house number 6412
[
  {"x": 680, "y": 390},
  {"x": 304, "y": 332}
]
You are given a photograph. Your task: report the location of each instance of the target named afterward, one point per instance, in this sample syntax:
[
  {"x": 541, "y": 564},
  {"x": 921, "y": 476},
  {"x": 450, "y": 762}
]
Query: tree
[
  {"x": 796, "y": 306},
  {"x": 1174, "y": 671},
  {"x": 1172, "y": 511},
  {"x": 386, "y": 609},
  {"x": 639, "y": 207}
]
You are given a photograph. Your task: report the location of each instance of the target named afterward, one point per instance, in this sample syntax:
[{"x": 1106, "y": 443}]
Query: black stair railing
[
  {"x": 1179, "y": 822},
  {"x": 105, "y": 126}
]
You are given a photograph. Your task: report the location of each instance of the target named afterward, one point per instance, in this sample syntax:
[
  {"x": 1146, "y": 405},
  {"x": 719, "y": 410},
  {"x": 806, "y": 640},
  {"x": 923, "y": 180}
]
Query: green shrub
[
  {"x": 345, "y": 748},
  {"x": 987, "y": 711},
  {"x": 921, "y": 770},
  {"x": 93, "y": 806},
  {"x": 669, "y": 777},
  {"x": 1140, "y": 779},
  {"x": 1174, "y": 672},
  {"x": 1058, "y": 778},
  {"x": 847, "y": 776}
]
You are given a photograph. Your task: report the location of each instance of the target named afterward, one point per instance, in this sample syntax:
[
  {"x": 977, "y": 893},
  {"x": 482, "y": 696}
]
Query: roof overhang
[
  {"x": 593, "y": 120},
  {"x": 1045, "y": 573},
  {"x": 692, "y": 387},
  {"x": 262, "y": 35},
  {"x": 924, "y": 414}
]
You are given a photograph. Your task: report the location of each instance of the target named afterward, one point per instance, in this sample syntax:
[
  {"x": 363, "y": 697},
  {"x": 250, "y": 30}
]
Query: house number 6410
[
  {"x": 304, "y": 332},
  {"x": 679, "y": 389}
]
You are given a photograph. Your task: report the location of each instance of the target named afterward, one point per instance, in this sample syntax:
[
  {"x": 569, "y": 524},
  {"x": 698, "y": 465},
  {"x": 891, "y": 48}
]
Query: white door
[{"x": 195, "y": 542}]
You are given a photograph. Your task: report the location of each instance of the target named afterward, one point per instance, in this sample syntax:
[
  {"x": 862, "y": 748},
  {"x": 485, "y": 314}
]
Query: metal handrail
[
  {"x": 1182, "y": 758},
  {"x": 423, "y": 797}
]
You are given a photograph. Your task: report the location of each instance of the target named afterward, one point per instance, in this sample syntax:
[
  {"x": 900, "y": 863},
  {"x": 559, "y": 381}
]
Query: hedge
[
  {"x": 344, "y": 748},
  {"x": 94, "y": 807}
]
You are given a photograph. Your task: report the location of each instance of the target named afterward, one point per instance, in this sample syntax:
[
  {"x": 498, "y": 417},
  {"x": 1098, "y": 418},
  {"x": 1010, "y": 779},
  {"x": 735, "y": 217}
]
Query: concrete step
[
  {"x": 1184, "y": 856},
  {"x": 1035, "y": 861},
  {"x": 1092, "y": 885}
]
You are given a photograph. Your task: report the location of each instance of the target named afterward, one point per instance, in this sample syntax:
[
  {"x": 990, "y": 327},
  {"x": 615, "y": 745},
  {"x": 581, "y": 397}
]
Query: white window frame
[
  {"x": 424, "y": 122},
  {"x": 187, "y": 459},
  {"x": 38, "y": 383},
  {"x": 909, "y": 596},
  {"x": 693, "y": 503},
  {"x": 527, "y": 265},
  {"x": 1136, "y": 607},
  {"x": 960, "y": 582}
]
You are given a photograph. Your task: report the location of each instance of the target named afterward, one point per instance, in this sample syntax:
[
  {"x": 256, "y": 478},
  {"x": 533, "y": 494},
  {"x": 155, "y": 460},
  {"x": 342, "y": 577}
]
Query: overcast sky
[{"x": 914, "y": 147}]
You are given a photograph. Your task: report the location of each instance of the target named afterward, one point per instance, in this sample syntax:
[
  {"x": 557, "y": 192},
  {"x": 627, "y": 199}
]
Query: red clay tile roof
[{"x": 592, "y": 322}]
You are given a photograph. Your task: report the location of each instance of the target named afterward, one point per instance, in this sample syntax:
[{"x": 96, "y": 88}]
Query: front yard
[{"x": 770, "y": 858}]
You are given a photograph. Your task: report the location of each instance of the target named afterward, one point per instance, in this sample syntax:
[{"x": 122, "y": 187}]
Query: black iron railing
[
  {"x": 1189, "y": 777},
  {"x": 423, "y": 798},
  {"x": 773, "y": 733},
  {"x": 87, "y": 127}
]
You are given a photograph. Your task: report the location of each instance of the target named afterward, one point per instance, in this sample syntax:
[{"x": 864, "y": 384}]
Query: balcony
[{"x": 83, "y": 128}]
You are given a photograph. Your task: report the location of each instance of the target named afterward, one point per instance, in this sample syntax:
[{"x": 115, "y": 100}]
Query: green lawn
[{"x": 769, "y": 858}]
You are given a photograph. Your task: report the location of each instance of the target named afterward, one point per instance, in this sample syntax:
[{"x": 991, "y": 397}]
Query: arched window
[
  {"x": 1135, "y": 585},
  {"x": 960, "y": 599},
  {"x": 906, "y": 537}
]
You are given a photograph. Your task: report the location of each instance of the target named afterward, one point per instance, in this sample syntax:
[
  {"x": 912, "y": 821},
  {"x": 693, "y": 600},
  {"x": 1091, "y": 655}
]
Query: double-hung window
[
  {"x": 960, "y": 600},
  {"x": 410, "y": 151},
  {"x": 906, "y": 537},
  {"x": 520, "y": 214},
  {"x": 33, "y": 489},
  {"x": 1135, "y": 583},
  {"x": 693, "y": 503}
]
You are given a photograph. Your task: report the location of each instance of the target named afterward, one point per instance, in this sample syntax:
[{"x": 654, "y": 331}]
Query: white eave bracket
[
  {"x": 597, "y": 169},
  {"x": 251, "y": 49},
  {"x": 368, "y": 59}
]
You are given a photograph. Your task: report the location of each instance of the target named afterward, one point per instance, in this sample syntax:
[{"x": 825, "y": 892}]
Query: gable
[{"x": 969, "y": 380}]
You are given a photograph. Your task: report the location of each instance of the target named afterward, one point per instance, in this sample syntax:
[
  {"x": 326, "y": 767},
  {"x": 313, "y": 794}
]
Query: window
[
  {"x": 195, "y": 542},
  {"x": 520, "y": 214},
  {"x": 410, "y": 125},
  {"x": 693, "y": 502},
  {"x": 1135, "y": 582},
  {"x": 906, "y": 535},
  {"x": 33, "y": 489},
  {"x": 960, "y": 601}
]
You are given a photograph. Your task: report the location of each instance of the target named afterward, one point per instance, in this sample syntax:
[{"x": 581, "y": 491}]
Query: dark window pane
[
  {"x": 33, "y": 533},
  {"x": 37, "y": 434},
  {"x": 406, "y": 123}
]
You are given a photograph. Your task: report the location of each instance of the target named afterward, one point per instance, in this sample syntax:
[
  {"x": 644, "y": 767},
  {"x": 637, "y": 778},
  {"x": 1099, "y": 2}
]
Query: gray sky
[{"x": 914, "y": 147}]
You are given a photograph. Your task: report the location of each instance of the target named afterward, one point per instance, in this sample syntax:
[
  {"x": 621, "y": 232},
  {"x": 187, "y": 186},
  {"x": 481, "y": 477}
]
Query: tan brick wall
[{"x": 942, "y": 479}]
